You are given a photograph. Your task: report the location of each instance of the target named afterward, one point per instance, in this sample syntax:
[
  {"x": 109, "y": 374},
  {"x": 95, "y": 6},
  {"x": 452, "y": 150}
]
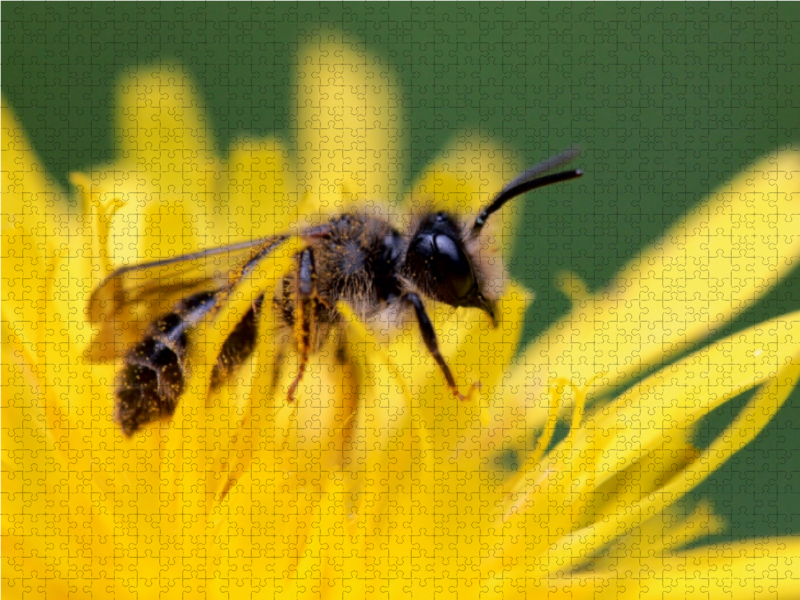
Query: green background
[{"x": 667, "y": 101}]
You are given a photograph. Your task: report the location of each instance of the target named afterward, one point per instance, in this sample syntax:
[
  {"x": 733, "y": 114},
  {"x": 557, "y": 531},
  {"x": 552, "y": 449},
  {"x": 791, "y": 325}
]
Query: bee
[{"x": 357, "y": 259}]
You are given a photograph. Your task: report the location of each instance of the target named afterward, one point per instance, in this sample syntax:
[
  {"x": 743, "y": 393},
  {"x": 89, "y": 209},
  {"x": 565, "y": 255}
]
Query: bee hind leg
[{"x": 307, "y": 297}]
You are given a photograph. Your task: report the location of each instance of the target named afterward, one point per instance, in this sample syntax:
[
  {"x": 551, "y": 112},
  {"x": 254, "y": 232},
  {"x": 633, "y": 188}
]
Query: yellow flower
[{"x": 378, "y": 483}]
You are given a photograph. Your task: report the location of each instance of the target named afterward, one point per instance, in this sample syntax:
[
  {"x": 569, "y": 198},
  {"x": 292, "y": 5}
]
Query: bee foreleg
[
  {"x": 429, "y": 337},
  {"x": 305, "y": 313}
]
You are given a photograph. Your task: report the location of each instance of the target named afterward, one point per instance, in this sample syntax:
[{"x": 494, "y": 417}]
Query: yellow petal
[
  {"x": 348, "y": 119},
  {"x": 521, "y": 583},
  {"x": 51, "y": 496},
  {"x": 466, "y": 175},
  {"x": 718, "y": 260},
  {"x": 679, "y": 395},
  {"x": 639, "y": 442},
  {"x": 30, "y": 196},
  {"x": 37, "y": 227},
  {"x": 760, "y": 568},
  {"x": 384, "y": 413},
  {"x": 21, "y": 564},
  {"x": 166, "y": 171},
  {"x": 44, "y": 295},
  {"x": 765, "y": 404},
  {"x": 660, "y": 535},
  {"x": 262, "y": 194},
  {"x": 162, "y": 130},
  {"x": 26, "y": 273},
  {"x": 193, "y": 459}
]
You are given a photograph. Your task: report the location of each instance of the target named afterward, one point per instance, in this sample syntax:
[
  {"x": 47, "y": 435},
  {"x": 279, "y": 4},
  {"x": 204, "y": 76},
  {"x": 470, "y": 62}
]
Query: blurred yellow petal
[
  {"x": 38, "y": 228},
  {"x": 670, "y": 531},
  {"x": 750, "y": 569},
  {"x": 43, "y": 294},
  {"x": 166, "y": 171},
  {"x": 48, "y": 479},
  {"x": 262, "y": 197},
  {"x": 349, "y": 141},
  {"x": 163, "y": 130},
  {"x": 728, "y": 252},
  {"x": 26, "y": 274},
  {"x": 466, "y": 175},
  {"x": 377, "y": 482},
  {"x": 30, "y": 196}
]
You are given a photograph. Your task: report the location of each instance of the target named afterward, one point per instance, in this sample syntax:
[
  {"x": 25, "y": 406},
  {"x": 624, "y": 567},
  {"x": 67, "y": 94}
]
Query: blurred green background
[{"x": 667, "y": 101}]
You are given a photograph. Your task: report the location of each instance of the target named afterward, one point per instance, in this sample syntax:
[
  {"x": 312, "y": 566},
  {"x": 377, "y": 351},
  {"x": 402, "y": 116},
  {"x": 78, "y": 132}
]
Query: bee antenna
[{"x": 526, "y": 182}]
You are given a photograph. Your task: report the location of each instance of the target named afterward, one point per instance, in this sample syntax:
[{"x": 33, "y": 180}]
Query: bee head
[
  {"x": 439, "y": 260},
  {"x": 438, "y": 263}
]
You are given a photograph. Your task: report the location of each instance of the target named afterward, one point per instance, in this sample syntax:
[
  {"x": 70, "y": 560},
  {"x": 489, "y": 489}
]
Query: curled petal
[
  {"x": 718, "y": 260},
  {"x": 166, "y": 171}
]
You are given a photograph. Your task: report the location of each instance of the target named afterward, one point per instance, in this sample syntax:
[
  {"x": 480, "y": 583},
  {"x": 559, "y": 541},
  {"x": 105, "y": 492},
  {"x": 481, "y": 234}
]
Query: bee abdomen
[
  {"x": 150, "y": 383},
  {"x": 239, "y": 345},
  {"x": 152, "y": 379}
]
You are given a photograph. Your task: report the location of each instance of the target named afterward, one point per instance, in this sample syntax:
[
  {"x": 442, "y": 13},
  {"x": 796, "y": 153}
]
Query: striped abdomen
[{"x": 154, "y": 373}]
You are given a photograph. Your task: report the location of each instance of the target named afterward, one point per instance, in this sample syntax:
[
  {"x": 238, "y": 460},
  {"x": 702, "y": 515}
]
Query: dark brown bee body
[
  {"x": 239, "y": 345},
  {"x": 359, "y": 260},
  {"x": 152, "y": 379},
  {"x": 355, "y": 261}
]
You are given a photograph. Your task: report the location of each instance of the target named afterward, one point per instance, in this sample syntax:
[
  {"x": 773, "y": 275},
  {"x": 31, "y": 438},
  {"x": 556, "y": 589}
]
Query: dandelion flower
[{"x": 378, "y": 483}]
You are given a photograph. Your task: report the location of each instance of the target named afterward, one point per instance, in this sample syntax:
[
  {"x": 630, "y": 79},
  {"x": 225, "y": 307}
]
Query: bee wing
[{"x": 132, "y": 297}]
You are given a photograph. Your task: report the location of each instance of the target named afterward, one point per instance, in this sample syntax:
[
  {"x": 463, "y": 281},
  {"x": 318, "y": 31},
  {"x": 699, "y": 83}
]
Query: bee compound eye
[
  {"x": 437, "y": 263},
  {"x": 453, "y": 269}
]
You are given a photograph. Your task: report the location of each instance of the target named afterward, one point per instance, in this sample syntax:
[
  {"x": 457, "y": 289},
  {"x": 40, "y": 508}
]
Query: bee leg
[
  {"x": 429, "y": 337},
  {"x": 304, "y": 315}
]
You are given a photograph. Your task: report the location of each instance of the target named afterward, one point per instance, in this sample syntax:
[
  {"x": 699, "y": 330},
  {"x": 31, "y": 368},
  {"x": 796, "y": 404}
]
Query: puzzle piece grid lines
[{"x": 278, "y": 418}]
